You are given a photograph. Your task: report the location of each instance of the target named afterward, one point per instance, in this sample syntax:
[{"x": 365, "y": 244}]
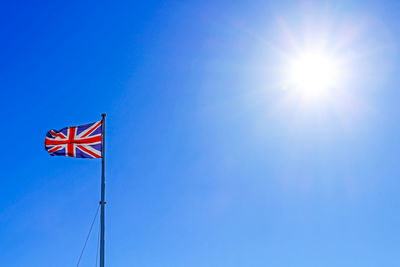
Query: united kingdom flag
[{"x": 84, "y": 141}]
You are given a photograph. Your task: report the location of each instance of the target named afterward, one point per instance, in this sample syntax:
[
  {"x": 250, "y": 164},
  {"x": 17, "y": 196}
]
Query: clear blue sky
[{"x": 212, "y": 161}]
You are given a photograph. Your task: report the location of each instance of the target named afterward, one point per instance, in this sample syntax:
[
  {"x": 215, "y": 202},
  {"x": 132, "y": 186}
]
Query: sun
[{"x": 313, "y": 72}]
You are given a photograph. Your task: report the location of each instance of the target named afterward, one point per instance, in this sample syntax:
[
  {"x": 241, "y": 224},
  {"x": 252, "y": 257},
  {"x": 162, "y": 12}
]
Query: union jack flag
[{"x": 82, "y": 141}]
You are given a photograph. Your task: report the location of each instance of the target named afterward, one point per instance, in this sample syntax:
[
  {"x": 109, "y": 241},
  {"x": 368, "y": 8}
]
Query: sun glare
[{"x": 313, "y": 72}]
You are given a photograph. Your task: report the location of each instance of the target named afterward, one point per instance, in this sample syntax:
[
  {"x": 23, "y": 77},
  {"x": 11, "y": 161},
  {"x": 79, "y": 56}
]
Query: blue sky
[{"x": 212, "y": 159}]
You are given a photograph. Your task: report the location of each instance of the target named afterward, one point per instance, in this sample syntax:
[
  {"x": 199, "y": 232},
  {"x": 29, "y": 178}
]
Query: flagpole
[{"x": 103, "y": 189}]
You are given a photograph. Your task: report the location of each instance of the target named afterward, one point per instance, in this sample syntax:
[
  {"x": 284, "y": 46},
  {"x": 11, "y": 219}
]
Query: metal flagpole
[{"x": 103, "y": 189}]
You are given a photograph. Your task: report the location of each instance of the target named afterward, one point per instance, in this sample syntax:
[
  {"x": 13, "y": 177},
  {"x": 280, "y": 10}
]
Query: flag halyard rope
[{"x": 88, "y": 235}]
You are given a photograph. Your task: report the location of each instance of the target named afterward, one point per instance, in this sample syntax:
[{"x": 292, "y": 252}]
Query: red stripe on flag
[
  {"x": 92, "y": 130},
  {"x": 49, "y": 142},
  {"x": 54, "y": 149},
  {"x": 61, "y": 135},
  {"x": 88, "y": 151},
  {"x": 70, "y": 146}
]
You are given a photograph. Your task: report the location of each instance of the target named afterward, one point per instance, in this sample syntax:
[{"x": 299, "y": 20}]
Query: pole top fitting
[{"x": 103, "y": 115}]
